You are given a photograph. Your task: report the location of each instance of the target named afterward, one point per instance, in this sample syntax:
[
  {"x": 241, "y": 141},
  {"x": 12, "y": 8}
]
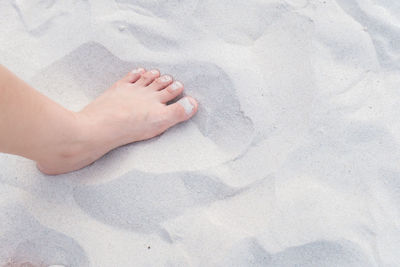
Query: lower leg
[{"x": 32, "y": 125}]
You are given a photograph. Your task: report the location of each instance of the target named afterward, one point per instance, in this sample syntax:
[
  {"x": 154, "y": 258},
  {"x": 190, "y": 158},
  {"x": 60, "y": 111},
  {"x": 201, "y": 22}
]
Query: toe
[
  {"x": 172, "y": 91},
  {"x": 180, "y": 111},
  {"x": 148, "y": 77},
  {"x": 161, "y": 82},
  {"x": 134, "y": 75}
]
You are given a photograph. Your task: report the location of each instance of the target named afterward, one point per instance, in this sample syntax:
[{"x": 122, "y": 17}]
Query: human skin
[{"x": 133, "y": 109}]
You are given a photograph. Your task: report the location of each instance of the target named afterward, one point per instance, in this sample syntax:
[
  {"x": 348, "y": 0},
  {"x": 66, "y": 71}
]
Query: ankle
[{"x": 68, "y": 150}]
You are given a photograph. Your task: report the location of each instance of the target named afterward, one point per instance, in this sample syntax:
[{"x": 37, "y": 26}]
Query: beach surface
[{"x": 292, "y": 159}]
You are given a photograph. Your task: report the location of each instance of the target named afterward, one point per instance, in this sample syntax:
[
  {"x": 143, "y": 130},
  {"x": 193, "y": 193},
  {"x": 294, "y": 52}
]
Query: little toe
[
  {"x": 172, "y": 91},
  {"x": 180, "y": 111},
  {"x": 148, "y": 77},
  {"x": 134, "y": 75}
]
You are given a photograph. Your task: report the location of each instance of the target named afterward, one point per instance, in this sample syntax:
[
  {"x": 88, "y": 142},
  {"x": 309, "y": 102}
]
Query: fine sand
[{"x": 292, "y": 160}]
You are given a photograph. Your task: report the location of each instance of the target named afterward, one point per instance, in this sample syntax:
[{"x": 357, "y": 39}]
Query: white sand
[{"x": 292, "y": 160}]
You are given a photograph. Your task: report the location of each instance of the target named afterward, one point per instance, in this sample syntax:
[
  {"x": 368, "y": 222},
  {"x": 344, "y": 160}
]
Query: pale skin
[{"x": 59, "y": 140}]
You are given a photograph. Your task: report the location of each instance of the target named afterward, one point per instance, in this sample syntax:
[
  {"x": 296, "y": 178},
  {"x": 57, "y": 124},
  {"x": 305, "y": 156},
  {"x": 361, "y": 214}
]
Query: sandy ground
[{"x": 292, "y": 159}]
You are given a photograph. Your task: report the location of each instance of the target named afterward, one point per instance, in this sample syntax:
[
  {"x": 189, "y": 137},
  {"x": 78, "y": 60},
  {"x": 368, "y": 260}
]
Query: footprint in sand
[
  {"x": 220, "y": 18},
  {"x": 248, "y": 252},
  {"x": 141, "y": 201},
  {"x": 51, "y": 13},
  {"x": 25, "y": 242},
  {"x": 322, "y": 253}
]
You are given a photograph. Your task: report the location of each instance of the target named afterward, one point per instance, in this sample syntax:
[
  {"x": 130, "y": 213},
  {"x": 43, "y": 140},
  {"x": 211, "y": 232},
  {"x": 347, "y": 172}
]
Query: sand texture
[{"x": 292, "y": 160}]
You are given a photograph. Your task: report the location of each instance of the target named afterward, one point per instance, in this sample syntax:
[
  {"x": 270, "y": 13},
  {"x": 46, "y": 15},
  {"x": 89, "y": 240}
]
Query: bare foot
[{"x": 133, "y": 109}]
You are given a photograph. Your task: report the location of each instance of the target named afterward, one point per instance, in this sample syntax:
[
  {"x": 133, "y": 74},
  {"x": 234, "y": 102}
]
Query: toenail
[
  {"x": 187, "y": 105},
  {"x": 154, "y": 71},
  {"x": 165, "y": 78},
  {"x": 176, "y": 85},
  {"x": 138, "y": 70}
]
